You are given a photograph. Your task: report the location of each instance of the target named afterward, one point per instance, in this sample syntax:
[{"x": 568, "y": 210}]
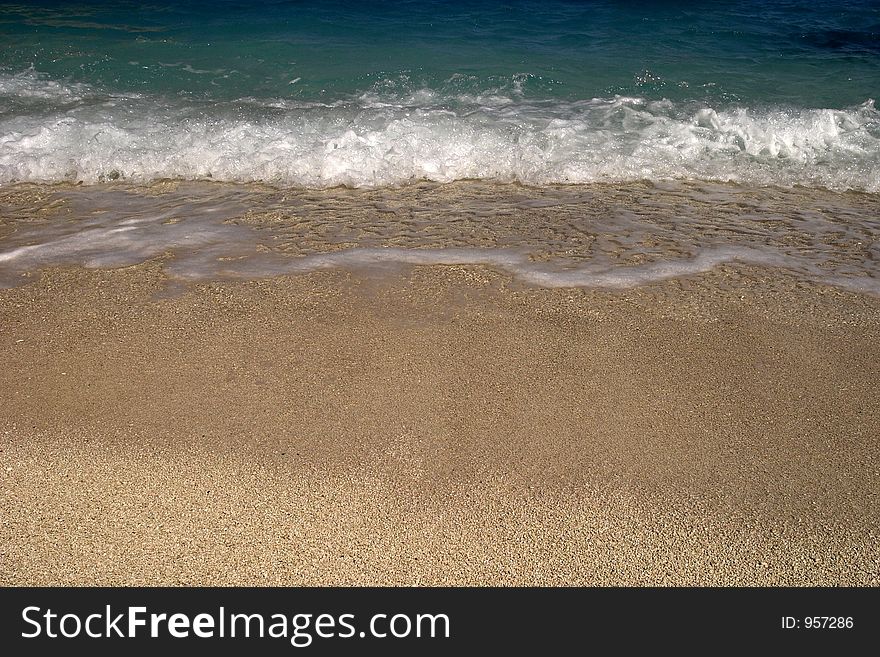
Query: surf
[{"x": 51, "y": 131}]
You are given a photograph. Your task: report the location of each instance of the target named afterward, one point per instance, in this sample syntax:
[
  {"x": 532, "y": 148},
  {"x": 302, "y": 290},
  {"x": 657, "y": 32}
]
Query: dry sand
[{"x": 439, "y": 427}]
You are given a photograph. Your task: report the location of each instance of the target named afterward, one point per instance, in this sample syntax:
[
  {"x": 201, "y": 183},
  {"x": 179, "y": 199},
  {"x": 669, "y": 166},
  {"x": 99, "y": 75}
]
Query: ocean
[{"x": 166, "y": 127}]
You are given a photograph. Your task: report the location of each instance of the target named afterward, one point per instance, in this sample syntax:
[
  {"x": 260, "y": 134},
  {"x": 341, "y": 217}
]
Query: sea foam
[{"x": 52, "y": 131}]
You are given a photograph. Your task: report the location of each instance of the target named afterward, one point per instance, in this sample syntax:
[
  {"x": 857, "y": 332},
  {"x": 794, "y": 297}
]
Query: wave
[{"x": 53, "y": 131}]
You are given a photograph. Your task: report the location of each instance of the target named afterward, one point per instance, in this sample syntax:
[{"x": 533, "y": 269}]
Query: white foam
[
  {"x": 376, "y": 141},
  {"x": 208, "y": 265},
  {"x": 30, "y": 85}
]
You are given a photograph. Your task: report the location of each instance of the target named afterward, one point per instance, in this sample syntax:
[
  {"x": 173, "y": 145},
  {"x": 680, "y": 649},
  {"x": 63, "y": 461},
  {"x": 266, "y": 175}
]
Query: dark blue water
[{"x": 370, "y": 94}]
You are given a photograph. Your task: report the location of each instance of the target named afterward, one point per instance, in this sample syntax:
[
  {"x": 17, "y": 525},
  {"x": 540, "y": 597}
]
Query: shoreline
[
  {"x": 602, "y": 236},
  {"x": 442, "y": 426}
]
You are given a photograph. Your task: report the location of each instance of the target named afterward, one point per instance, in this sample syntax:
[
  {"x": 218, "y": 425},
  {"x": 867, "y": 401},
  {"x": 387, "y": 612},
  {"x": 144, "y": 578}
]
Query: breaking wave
[{"x": 52, "y": 131}]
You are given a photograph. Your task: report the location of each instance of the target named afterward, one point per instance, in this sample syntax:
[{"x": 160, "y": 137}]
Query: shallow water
[
  {"x": 592, "y": 143},
  {"x": 613, "y": 236}
]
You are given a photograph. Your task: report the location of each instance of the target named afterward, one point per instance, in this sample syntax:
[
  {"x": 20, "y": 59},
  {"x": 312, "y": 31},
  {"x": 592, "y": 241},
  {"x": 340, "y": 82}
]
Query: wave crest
[{"x": 372, "y": 141}]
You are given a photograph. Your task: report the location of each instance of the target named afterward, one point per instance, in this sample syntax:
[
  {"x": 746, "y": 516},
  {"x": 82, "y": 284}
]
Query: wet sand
[{"x": 445, "y": 425}]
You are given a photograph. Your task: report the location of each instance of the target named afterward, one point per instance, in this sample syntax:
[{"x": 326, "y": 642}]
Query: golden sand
[{"x": 440, "y": 427}]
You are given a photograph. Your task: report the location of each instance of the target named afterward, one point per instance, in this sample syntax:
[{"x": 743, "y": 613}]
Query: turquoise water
[{"x": 317, "y": 94}]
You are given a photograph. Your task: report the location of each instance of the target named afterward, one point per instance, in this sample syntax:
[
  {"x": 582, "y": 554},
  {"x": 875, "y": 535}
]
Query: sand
[{"x": 444, "y": 425}]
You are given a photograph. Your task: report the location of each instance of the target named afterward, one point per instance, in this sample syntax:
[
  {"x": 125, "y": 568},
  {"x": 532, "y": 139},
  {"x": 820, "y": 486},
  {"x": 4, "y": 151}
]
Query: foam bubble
[
  {"x": 375, "y": 140},
  {"x": 30, "y": 85}
]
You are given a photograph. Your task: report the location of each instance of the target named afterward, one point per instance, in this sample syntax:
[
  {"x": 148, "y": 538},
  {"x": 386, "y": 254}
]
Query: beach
[
  {"x": 429, "y": 293},
  {"x": 443, "y": 425}
]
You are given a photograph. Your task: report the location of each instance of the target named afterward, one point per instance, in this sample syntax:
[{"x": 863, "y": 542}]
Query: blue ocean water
[{"x": 318, "y": 94}]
